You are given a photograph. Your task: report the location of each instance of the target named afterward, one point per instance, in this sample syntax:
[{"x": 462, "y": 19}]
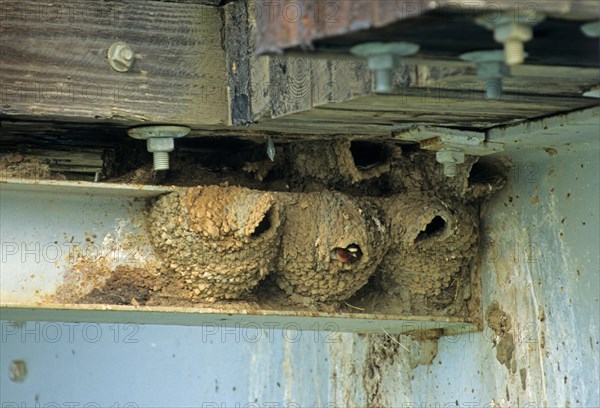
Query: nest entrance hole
[
  {"x": 367, "y": 155},
  {"x": 264, "y": 225},
  {"x": 434, "y": 228}
]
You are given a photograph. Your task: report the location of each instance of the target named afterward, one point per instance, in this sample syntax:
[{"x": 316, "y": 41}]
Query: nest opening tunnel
[
  {"x": 263, "y": 226},
  {"x": 434, "y": 228},
  {"x": 366, "y": 154}
]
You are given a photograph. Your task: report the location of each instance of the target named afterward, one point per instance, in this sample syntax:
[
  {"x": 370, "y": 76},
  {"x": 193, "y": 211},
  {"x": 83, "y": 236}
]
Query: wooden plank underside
[
  {"x": 304, "y": 22},
  {"x": 524, "y": 80},
  {"x": 54, "y": 62},
  {"x": 378, "y": 114}
]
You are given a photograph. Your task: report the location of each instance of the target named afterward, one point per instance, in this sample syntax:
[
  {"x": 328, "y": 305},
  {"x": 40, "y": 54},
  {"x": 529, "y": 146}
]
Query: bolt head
[
  {"x": 399, "y": 49},
  {"x": 490, "y": 64},
  {"x": 120, "y": 56},
  {"x": 513, "y": 32},
  {"x": 160, "y": 144},
  {"x": 387, "y": 61},
  {"x": 126, "y": 54},
  {"x": 149, "y": 132},
  {"x": 483, "y": 56},
  {"x": 490, "y": 70}
]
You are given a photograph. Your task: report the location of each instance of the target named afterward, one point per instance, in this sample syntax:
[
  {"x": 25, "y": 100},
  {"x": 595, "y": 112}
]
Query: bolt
[
  {"x": 450, "y": 158},
  {"x": 491, "y": 68},
  {"x": 513, "y": 36},
  {"x": 120, "y": 56},
  {"x": 382, "y": 58},
  {"x": 271, "y": 148},
  {"x": 592, "y": 29},
  {"x": 159, "y": 141},
  {"x": 512, "y": 28},
  {"x": 18, "y": 371}
]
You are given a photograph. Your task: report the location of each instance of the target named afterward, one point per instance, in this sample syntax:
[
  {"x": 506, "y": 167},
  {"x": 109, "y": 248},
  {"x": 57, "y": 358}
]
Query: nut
[
  {"x": 513, "y": 32},
  {"x": 450, "y": 156},
  {"x": 512, "y": 28},
  {"x": 120, "y": 56},
  {"x": 160, "y": 144}
]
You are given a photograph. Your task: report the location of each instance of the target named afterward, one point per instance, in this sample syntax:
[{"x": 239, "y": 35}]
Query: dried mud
[
  {"x": 330, "y": 225},
  {"x": 315, "y": 261},
  {"x": 16, "y": 165},
  {"x": 433, "y": 245},
  {"x": 218, "y": 241},
  {"x": 501, "y": 323}
]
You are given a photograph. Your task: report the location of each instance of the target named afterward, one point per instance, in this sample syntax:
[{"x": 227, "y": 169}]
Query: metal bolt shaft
[
  {"x": 512, "y": 28},
  {"x": 450, "y": 158},
  {"x": 493, "y": 88},
  {"x": 383, "y": 58},
  {"x": 450, "y": 169},
  {"x": 491, "y": 68},
  {"x": 161, "y": 161},
  {"x": 383, "y": 78},
  {"x": 514, "y": 51}
]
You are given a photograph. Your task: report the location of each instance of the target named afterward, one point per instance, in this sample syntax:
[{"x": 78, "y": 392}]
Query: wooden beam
[
  {"x": 54, "y": 62},
  {"x": 303, "y": 23},
  {"x": 275, "y": 86},
  {"x": 377, "y": 115}
]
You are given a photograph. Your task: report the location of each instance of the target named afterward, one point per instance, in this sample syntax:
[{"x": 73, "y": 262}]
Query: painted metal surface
[
  {"x": 540, "y": 264},
  {"x": 235, "y": 318},
  {"x": 50, "y": 226},
  {"x": 47, "y": 226},
  {"x": 133, "y": 366}
]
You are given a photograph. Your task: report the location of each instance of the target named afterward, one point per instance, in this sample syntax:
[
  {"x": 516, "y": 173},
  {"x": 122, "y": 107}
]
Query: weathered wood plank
[
  {"x": 55, "y": 66},
  {"x": 376, "y": 115},
  {"x": 279, "y": 85},
  {"x": 302, "y": 23},
  {"x": 527, "y": 80}
]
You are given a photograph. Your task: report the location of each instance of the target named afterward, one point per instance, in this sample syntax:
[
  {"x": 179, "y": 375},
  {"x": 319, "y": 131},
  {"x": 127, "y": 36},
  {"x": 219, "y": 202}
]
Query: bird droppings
[{"x": 351, "y": 226}]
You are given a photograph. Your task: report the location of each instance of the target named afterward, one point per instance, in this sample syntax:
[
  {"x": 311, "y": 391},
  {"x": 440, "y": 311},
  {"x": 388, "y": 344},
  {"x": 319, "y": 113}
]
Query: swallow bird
[{"x": 350, "y": 254}]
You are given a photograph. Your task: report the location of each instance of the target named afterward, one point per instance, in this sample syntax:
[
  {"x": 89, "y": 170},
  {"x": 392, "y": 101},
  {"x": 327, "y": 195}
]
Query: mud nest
[
  {"x": 331, "y": 245},
  {"x": 417, "y": 236},
  {"x": 433, "y": 243},
  {"x": 219, "y": 242}
]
